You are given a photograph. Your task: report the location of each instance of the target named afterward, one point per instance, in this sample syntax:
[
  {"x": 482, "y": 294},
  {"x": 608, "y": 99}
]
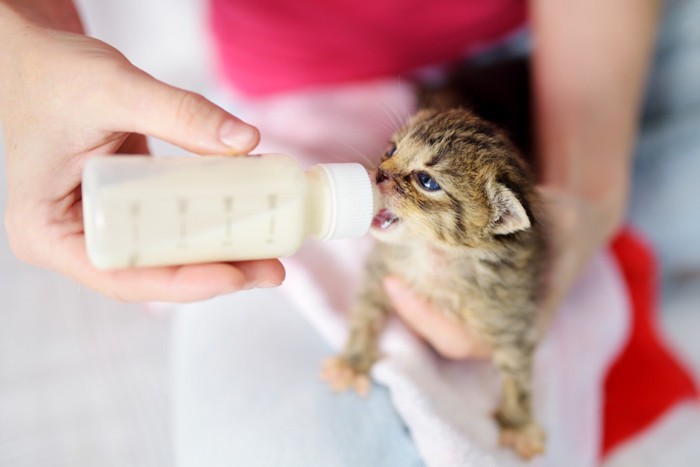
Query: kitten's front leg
[{"x": 351, "y": 368}]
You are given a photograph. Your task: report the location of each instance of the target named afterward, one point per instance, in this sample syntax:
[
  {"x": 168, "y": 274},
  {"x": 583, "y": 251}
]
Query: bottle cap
[{"x": 352, "y": 200}]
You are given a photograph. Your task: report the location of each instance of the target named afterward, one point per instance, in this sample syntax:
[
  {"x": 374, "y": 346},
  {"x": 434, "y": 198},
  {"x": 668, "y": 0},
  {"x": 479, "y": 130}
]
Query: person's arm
[
  {"x": 589, "y": 67},
  {"x": 590, "y": 63},
  {"x": 64, "y": 98}
]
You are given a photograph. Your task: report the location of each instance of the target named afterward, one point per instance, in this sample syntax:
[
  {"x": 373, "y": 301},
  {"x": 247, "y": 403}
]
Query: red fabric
[
  {"x": 268, "y": 46},
  {"x": 646, "y": 379}
]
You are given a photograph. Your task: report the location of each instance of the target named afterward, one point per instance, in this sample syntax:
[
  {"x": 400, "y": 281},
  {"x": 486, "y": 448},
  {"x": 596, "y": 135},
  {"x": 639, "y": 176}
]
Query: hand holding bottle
[{"x": 64, "y": 98}]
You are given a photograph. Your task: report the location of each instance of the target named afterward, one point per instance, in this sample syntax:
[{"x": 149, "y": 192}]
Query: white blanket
[{"x": 446, "y": 405}]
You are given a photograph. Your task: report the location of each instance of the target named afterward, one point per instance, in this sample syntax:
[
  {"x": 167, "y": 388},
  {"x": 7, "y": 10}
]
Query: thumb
[{"x": 186, "y": 119}]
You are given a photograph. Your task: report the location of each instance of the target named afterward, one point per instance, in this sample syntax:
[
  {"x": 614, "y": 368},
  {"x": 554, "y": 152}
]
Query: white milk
[{"x": 148, "y": 211}]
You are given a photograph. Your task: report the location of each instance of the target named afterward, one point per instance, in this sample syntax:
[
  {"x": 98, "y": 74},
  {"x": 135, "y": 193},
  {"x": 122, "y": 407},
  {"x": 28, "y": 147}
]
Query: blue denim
[
  {"x": 665, "y": 201},
  {"x": 247, "y": 393}
]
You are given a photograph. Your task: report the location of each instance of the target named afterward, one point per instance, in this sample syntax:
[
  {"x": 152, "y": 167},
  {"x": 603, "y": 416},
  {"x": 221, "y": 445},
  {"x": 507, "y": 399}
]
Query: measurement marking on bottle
[
  {"x": 271, "y": 204},
  {"x": 228, "y": 220},
  {"x": 182, "y": 208},
  {"x": 134, "y": 214}
]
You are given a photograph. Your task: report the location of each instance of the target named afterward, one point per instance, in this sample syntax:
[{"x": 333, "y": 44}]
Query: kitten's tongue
[{"x": 384, "y": 219}]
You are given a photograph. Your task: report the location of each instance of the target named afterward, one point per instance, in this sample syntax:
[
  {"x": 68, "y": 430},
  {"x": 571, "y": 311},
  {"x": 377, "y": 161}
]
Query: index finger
[{"x": 184, "y": 283}]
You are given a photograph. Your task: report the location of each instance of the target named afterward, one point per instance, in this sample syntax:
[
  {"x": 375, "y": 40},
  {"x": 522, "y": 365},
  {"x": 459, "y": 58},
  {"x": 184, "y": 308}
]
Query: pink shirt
[{"x": 270, "y": 46}]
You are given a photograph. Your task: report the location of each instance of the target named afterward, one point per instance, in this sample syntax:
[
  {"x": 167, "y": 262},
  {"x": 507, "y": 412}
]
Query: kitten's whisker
[
  {"x": 337, "y": 157},
  {"x": 405, "y": 111},
  {"x": 390, "y": 123},
  {"x": 393, "y": 120},
  {"x": 397, "y": 117},
  {"x": 388, "y": 128},
  {"x": 362, "y": 155},
  {"x": 385, "y": 129}
]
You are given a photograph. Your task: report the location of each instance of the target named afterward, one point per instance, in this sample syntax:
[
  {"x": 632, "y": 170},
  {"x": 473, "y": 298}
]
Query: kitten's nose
[{"x": 381, "y": 176}]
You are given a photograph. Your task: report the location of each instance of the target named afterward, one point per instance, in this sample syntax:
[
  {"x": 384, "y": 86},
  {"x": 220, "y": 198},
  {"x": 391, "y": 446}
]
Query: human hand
[
  {"x": 64, "y": 98},
  {"x": 449, "y": 338},
  {"x": 576, "y": 229}
]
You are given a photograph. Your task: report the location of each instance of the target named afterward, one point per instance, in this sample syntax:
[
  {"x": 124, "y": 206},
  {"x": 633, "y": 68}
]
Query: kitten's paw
[
  {"x": 527, "y": 441},
  {"x": 341, "y": 375}
]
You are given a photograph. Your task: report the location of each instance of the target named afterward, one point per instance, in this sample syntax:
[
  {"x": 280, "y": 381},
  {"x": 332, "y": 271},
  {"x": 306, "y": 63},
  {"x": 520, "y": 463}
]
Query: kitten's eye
[
  {"x": 390, "y": 150},
  {"x": 427, "y": 182}
]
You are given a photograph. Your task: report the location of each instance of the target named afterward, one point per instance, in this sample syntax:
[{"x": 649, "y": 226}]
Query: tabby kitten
[{"x": 460, "y": 226}]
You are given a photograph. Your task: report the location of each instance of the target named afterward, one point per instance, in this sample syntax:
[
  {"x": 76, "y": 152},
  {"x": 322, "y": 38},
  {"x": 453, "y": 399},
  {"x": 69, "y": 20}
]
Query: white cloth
[{"x": 447, "y": 405}]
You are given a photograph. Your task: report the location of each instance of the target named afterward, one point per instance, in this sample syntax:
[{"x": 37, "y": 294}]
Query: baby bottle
[{"x": 154, "y": 211}]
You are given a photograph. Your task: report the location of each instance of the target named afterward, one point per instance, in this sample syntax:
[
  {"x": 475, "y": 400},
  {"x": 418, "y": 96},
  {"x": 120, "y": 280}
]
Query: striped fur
[{"x": 464, "y": 248}]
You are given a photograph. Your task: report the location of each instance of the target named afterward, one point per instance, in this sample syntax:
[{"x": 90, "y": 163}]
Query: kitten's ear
[{"x": 508, "y": 214}]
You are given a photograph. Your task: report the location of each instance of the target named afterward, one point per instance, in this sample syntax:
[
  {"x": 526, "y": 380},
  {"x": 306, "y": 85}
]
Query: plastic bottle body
[{"x": 143, "y": 211}]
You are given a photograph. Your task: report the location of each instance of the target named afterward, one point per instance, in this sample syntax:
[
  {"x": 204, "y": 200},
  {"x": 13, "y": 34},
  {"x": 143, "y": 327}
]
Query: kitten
[{"x": 460, "y": 225}]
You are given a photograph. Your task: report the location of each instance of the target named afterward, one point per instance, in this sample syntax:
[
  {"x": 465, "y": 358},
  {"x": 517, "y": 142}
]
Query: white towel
[{"x": 447, "y": 405}]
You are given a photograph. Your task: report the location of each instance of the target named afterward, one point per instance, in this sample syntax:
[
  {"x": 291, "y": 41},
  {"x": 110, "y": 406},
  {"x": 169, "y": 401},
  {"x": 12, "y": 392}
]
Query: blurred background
[{"x": 84, "y": 380}]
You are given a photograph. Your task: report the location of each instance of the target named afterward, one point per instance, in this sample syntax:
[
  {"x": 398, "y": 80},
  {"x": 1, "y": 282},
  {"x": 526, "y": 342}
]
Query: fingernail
[
  {"x": 263, "y": 285},
  {"x": 238, "y": 136}
]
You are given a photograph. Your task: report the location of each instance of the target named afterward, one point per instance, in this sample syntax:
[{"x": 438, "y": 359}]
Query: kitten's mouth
[{"x": 384, "y": 219}]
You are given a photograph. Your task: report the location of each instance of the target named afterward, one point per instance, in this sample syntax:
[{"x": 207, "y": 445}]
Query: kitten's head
[{"x": 451, "y": 178}]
